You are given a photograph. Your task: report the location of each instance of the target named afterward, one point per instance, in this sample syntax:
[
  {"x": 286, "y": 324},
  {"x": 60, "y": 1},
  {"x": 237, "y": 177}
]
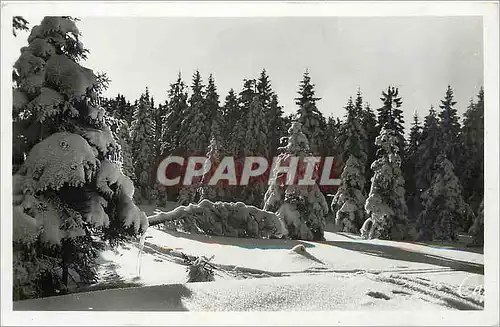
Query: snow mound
[
  {"x": 62, "y": 158},
  {"x": 51, "y": 25}
]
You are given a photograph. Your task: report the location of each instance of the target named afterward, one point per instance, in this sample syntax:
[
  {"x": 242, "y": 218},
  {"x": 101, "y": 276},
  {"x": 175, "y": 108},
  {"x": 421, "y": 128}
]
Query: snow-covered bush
[
  {"x": 386, "y": 205},
  {"x": 301, "y": 207},
  {"x": 69, "y": 193},
  {"x": 221, "y": 219}
]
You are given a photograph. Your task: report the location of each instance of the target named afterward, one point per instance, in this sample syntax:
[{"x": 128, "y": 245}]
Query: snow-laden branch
[{"x": 221, "y": 219}]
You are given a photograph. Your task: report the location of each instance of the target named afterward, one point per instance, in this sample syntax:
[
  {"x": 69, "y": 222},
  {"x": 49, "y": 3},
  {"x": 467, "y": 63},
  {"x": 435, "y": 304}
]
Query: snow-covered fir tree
[
  {"x": 256, "y": 144},
  {"x": 334, "y": 148},
  {"x": 472, "y": 160},
  {"x": 409, "y": 169},
  {"x": 308, "y": 115},
  {"x": 445, "y": 212},
  {"x": 276, "y": 125},
  {"x": 450, "y": 128},
  {"x": 427, "y": 152},
  {"x": 123, "y": 136},
  {"x": 386, "y": 205},
  {"x": 239, "y": 129},
  {"x": 392, "y": 114},
  {"x": 230, "y": 115},
  {"x": 369, "y": 122},
  {"x": 142, "y": 140},
  {"x": 159, "y": 114},
  {"x": 177, "y": 109},
  {"x": 212, "y": 192},
  {"x": 195, "y": 128},
  {"x": 195, "y": 133},
  {"x": 348, "y": 202},
  {"x": 69, "y": 194},
  {"x": 302, "y": 208}
]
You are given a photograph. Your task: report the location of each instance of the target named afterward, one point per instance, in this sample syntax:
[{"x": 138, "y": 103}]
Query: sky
[{"x": 420, "y": 55}]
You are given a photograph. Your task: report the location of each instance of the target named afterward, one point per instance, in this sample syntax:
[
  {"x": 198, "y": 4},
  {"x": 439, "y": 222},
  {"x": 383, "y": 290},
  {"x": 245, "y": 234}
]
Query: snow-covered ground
[{"x": 342, "y": 273}]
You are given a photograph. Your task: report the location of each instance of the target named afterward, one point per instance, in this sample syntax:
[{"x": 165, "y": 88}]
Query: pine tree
[
  {"x": 123, "y": 134},
  {"x": 69, "y": 194},
  {"x": 302, "y": 208},
  {"x": 445, "y": 212},
  {"x": 334, "y": 148},
  {"x": 392, "y": 115},
  {"x": 256, "y": 144},
  {"x": 177, "y": 109},
  {"x": 409, "y": 169},
  {"x": 427, "y": 152},
  {"x": 230, "y": 115},
  {"x": 386, "y": 206},
  {"x": 277, "y": 128},
  {"x": 239, "y": 129},
  {"x": 450, "y": 127},
  {"x": 159, "y": 114},
  {"x": 195, "y": 128},
  {"x": 472, "y": 164},
  {"x": 142, "y": 140},
  {"x": 212, "y": 192},
  {"x": 195, "y": 133},
  {"x": 312, "y": 120},
  {"x": 369, "y": 123},
  {"x": 349, "y": 200}
]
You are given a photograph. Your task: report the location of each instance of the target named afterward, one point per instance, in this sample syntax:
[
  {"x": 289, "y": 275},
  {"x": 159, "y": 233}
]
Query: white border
[{"x": 489, "y": 12}]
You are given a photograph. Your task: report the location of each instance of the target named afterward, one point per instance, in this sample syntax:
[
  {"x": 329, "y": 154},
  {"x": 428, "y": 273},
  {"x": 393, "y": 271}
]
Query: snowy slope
[{"x": 341, "y": 273}]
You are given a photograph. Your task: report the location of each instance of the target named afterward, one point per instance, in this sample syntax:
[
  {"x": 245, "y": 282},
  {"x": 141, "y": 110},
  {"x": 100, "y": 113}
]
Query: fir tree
[
  {"x": 195, "y": 133},
  {"x": 123, "y": 136},
  {"x": 177, "y": 109},
  {"x": 392, "y": 115},
  {"x": 450, "y": 127},
  {"x": 277, "y": 128},
  {"x": 256, "y": 144},
  {"x": 69, "y": 194},
  {"x": 409, "y": 168},
  {"x": 230, "y": 115},
  {"x": 159, "y": 114},
  {"x": 302, "y": 208},
  {"x": 142, "y": 140},
  {"x": 348, "y": 202},
  {"x": 386, "y": 206},
  {"x": 428, "y": 149},
  {"x": 239, "y": 129},
  {"x": 195, "y": 128},
  {"x": 472, "y": 163},
  {"x": 445, "y": 212},
  {"x": 369, "y": 122},
  {"x": 308, "y": 115}
]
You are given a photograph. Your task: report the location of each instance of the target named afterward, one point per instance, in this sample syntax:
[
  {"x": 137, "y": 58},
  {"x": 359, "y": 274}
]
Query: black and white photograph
[{"x": 263, "y": 163}]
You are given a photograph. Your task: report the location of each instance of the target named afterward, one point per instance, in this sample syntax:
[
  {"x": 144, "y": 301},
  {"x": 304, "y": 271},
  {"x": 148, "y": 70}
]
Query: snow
[
  {"x": 51, "y": 25},
  {"x": 59, "y": 159},
  {"x": 342, "y": 273},
  {"x": 47, "y": 104},
  {"x": 69, "y": 77}
]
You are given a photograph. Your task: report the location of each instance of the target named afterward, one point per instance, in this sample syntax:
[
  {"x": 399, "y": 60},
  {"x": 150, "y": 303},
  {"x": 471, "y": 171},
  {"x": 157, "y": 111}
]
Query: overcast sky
[{"x": 420, "y": 55}]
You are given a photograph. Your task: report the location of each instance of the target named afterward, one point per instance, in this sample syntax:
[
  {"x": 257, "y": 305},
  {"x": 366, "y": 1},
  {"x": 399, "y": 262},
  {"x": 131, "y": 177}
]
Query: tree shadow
[
  {"x": 396, "y": 253},
  {"x": 247, "y": 243},
  {"x": 151, "y": 298}
]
